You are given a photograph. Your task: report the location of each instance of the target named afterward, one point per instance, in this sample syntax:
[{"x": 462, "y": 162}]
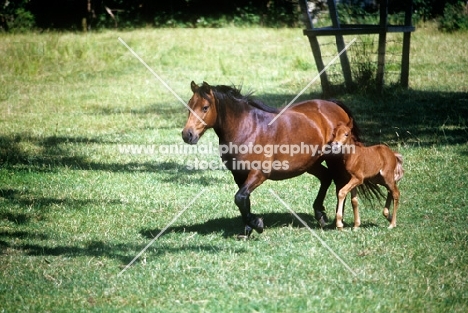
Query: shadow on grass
[
  {"x": 51, "y": 157},
  {"x": 34, "y": 243},
  {"x": 122, "y": 252},
  {"x": 40, "y": 204},
  {"x": 231, "y": 227},
  {"x": 17, "y": 218}
]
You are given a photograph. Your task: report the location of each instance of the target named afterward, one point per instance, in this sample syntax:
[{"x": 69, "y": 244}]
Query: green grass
[{"x": 74, "y": 210}]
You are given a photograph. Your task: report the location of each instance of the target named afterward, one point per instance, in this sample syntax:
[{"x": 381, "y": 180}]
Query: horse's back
[
  {"x": 381, "y": 157},
  {"x": 316, "y": 106},
  {"x": 326, "y": 114}
]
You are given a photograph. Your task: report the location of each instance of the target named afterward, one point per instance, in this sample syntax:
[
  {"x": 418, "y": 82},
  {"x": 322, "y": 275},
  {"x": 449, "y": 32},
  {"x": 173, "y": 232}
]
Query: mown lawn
[{"x": 76, "y": 205}]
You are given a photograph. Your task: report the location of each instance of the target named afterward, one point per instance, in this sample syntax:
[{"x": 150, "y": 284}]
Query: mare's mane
[
  {"x": 233, "y": 97},
  {"x": 355, "y": 130}
]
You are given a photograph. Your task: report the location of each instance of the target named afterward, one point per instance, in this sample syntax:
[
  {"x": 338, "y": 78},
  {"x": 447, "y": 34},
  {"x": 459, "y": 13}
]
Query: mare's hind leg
[
  {"x": 354, "y": 202},
  {"x": 242, "y": 200},
  {"x": 323, "y": 174}
]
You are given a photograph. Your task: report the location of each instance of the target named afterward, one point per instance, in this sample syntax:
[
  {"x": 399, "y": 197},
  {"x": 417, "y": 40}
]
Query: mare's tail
[
  {"x": 370, "y": 191},
  {"x": 398, "y": 173}
]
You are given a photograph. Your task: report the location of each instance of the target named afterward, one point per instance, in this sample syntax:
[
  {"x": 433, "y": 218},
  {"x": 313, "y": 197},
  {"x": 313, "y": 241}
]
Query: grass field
[{"x": 77, "y": 204}]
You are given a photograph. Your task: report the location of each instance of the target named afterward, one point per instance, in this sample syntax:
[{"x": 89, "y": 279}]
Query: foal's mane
[{"x": 233, "y": 97}]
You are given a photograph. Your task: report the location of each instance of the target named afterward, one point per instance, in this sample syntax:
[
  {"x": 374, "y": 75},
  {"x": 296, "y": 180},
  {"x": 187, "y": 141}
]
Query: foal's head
[
  {"x": 342, "y": 134},
  {"x": 202, "y": 113}
]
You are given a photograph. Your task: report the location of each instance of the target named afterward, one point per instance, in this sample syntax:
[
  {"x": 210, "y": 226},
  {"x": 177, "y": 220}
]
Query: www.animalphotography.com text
[{"x": 266, "y": 161}]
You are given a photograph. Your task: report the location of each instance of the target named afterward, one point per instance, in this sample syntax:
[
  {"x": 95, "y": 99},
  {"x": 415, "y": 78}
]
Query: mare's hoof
[
  {"x": 389, "y": 217},
  {"x": 242, "y": 237},
  {"x": 246, "y": 234},
  {"x": 321, "y": 216},
  {"x": 255, "y": 223},
  {"x": 259, "y": 225},
  {"x": 322, "y": 222},
  {"x": 325, "y": 217},
  {"x": 339, "y": 228}
]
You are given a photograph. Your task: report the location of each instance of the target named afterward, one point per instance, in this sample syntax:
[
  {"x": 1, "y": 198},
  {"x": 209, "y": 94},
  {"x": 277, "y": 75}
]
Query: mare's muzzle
[{"x": 189, "y": 136}]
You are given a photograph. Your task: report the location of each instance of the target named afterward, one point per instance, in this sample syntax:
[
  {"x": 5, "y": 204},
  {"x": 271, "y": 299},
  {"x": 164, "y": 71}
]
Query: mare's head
[{"x": 202, "y": 113}]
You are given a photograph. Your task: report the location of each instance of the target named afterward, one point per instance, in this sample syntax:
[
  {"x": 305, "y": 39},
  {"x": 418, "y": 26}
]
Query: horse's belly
[
  {"x": 278, "y": 175},
  {"x": 275, "y": 168}
]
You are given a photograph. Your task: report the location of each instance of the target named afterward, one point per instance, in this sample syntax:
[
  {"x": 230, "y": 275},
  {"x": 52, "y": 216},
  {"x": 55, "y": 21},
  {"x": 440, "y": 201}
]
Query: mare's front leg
[{"x": 242, "y": 200}]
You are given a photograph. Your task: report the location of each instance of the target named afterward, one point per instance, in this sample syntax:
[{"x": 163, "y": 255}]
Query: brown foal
[{"x": 377, "y": 164}]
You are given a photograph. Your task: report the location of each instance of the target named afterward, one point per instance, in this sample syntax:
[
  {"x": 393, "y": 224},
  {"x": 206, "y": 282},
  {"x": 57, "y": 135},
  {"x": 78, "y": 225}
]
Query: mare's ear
[
  {"x": 206, "y": 85},
  {"x": 194, "y": 86},
  {"x": 350, "y": 123}
]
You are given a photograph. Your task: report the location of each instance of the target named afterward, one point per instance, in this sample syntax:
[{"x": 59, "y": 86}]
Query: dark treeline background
[{"x": 97, "y": 14}]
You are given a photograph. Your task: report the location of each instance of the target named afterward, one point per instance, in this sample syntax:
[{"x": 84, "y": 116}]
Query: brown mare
[
  {"x": 240, "y": 121},
  {"x": 377, "y": 164}
]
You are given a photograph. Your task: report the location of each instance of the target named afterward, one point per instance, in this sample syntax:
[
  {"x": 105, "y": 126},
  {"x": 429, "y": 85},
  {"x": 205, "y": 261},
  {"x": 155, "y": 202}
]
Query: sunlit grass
[{"x": 75, "y": 208}]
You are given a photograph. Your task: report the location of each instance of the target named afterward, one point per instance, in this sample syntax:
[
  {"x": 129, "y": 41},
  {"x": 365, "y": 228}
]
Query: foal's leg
[
  {"x": 396, "y": 200},
  {"x": 388, "y": 202},
  {"x": 339, "y": 174},
  {"x": 341, "y": 198},
  {"x": 393, "y": 195},
  {"x": 242, "y": 200},
  {"x": 354, "y": 202}
]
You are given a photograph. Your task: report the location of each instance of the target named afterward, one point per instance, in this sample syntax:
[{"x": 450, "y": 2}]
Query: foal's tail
[{"x": 398, "y": 173}]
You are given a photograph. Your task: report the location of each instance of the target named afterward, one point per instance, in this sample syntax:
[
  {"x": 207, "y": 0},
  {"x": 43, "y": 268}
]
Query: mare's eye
[
  {"x": 205, "y": 108},
  {"x": 346, "y": 134}
]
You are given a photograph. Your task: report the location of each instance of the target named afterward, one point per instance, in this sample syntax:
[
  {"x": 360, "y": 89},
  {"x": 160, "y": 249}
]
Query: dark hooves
[
  {"x": 323, "y": 222},
  {"x": 246, "y": 234},
  {"x": 256, "y": 224},
  {"x": 259, "y": 225},
  {"x": 321, "y": 217}
]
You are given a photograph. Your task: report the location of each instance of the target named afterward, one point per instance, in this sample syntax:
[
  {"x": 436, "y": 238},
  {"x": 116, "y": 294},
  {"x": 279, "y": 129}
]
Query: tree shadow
[
  {"x": 125, "y": 253},
  {"x": 51, "y": 156},
  {"x": 41, "y": 204},
  {"x": 17, "y": 218},
  {"x": 23, "y": 235}
]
